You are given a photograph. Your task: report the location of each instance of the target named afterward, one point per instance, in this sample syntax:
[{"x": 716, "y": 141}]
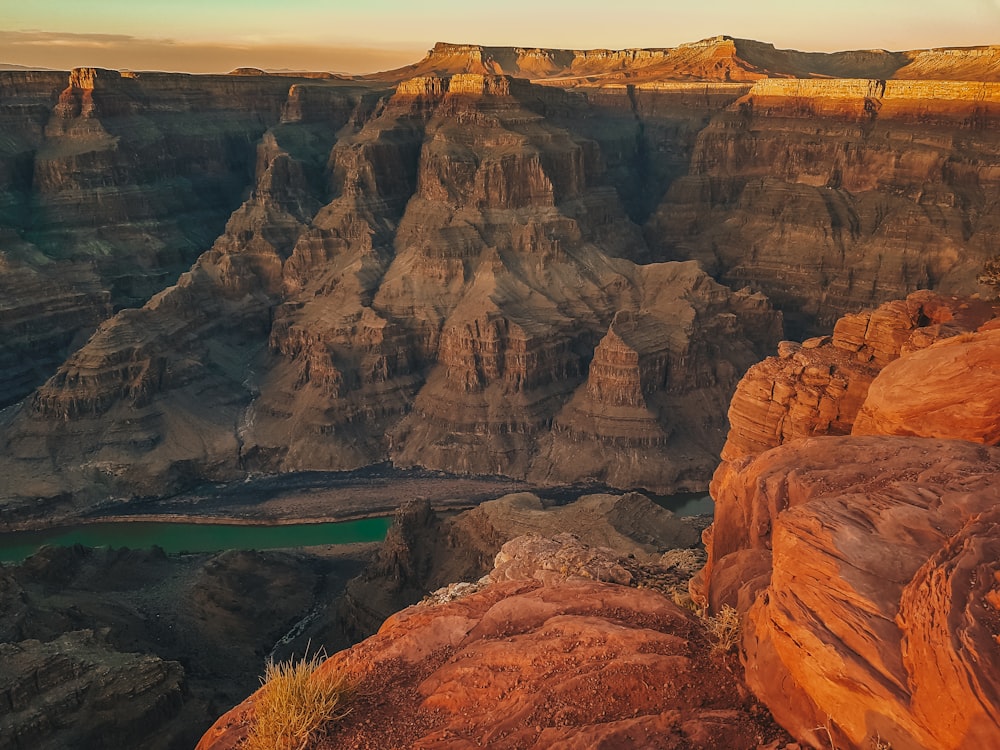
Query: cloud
[
  {"x": 29, "y": 38},
  {"x": 65, "y": 50}
]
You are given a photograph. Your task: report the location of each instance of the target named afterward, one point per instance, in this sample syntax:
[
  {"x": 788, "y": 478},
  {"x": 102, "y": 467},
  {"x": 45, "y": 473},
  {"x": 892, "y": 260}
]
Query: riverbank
[{"x": 302, "y": 497}]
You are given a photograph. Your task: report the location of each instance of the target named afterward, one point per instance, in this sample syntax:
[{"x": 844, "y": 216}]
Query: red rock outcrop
[
  {"x": 818, "y": 387},
  {"x": 864, "y": 565},
  {"x": 570, "y": 662},
  {"x": 425, "y": 551},
  {"x": 869, "y": 571},
  {"x": 950, "y": 390}
]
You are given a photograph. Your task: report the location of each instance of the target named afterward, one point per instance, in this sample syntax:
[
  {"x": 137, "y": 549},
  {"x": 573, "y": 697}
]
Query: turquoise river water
[{"x": 194, "y": 537}]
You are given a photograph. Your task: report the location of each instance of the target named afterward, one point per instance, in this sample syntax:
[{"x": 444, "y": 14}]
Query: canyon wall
[
  {"x": 448, "y": 280},
  {"x": 469, "y": 272},
  {"x": 830, "y": 196},
  {"x": 111, "y": 184}
]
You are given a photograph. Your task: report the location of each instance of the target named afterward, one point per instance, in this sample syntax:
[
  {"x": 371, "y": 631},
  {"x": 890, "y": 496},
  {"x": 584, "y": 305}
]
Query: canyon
[
  {"x": 550, "y": 265},
  {"x": 855, "y": 564},
  {"x": 557, "y": 267}
]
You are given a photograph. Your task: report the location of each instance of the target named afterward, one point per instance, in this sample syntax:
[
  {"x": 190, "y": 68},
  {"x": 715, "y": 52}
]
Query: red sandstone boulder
[
  {"x": 818, "y": 387},
  {"x": 866, "y": 567},
  {"x": 950, "y": 390}
]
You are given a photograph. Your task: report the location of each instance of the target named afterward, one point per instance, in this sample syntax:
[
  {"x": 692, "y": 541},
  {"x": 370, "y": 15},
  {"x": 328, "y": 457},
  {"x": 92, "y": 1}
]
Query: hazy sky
[{"x": 367, "y": 35}]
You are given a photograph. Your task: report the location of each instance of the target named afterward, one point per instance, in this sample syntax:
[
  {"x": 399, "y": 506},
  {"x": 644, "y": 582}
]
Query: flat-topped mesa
[{"x": 932, "y": 100}]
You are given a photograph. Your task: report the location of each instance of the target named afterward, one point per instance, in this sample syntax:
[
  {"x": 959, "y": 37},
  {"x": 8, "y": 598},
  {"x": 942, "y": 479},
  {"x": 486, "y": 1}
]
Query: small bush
[
  {"x": 295, "y": 703},
  {"x": 724, "y": 628},
  {"x": 683, "y": 599}
]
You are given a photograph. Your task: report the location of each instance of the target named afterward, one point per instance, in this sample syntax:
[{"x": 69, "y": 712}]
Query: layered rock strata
[
  {"x": 467, "y": 275},
  {"x": 719, "y": 58},
  {"x": 818, "y": 387},
  {"x": 404, "y": 285},
  {"x": 111, "y": 184},
  {"x": 76, "y": 691},
  {"x": 830, "y": 196}
]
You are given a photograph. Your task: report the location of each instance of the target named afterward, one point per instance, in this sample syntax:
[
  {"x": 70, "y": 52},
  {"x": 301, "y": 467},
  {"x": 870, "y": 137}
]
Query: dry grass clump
[
  {"x": 724, "y": 628},
  {"x": 682, "y": 599},
  {"x": 295, "y": 703}
]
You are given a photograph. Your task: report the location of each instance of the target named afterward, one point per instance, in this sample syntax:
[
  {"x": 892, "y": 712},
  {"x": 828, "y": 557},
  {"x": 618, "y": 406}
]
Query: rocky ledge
[
  {"x": 549, "y": 653},
  {"x": 865, "y": 566}
]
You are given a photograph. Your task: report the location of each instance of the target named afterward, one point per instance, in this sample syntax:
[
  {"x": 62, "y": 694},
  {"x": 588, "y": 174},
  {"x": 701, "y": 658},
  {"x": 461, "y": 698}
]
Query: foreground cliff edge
[
  {"x": 865, "y": 565},
  {"x": 865, "y": 569}
]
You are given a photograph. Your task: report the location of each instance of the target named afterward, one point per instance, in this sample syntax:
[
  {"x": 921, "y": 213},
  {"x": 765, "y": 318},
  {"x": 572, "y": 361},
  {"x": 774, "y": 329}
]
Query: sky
[{"x": 363, "y": 36}]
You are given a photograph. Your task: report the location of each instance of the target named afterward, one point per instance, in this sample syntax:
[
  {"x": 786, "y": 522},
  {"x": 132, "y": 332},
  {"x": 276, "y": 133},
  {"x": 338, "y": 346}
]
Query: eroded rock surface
[
  {"x": 77, "y": 691},
  {"x": 424, "y": 551},
  {"x": 818, "y": 387},
  {"x": 822, "y": 194},
  {"x": 875, "y": 563},
  {"x": 401, "y": 285},
  {"x": 950, "y": 390},
  {"x": 562, "y": 662},
  {"x": 133, "y": 648},
  {"x": 864, "y": 564},
  {"x": 110, "y": 185}
]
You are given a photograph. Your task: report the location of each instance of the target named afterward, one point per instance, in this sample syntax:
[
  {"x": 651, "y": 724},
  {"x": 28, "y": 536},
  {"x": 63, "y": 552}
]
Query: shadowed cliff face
[
  {"x": 110, "y": 185},
  {"x": 429, "y": 283},
  {"x": 465, "y": 275},
  {"x": 831, "y": 196}
]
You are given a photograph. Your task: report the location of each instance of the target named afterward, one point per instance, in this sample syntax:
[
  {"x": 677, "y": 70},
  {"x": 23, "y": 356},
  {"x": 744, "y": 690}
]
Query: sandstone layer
[
  {"x": 537, "y": 659},
  {"x": 951, "y": 390},
  {"x": 819, "y": 387},
  {"x": 864, "y": 565}
]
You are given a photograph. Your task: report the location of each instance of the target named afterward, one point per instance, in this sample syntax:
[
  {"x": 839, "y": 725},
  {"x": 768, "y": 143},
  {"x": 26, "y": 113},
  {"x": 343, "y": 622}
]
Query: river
[{"x": 294, "y": 510}]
